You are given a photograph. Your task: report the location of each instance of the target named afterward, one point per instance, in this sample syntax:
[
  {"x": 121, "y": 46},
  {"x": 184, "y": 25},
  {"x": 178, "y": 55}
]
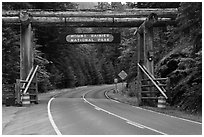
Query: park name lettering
[{"x": 89, "y": 38}]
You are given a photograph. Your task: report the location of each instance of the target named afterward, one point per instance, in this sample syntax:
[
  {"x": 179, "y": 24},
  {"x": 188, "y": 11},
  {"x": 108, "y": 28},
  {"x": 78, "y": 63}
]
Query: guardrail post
[
  {"x": 168, "y": 89},
  {"x": 18, "y": 92},
  {"x": 26, "y": 99},
  {"x": 161, "y": 102},
  {"x": 36, "y": 87}
]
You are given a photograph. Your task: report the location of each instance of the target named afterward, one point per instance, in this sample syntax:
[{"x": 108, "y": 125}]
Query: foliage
[
  {"x": 38, "y": 5},
  {"x": 103, "y": 6},
  {"x": 153, "y": 4},
  {"x": 183, "y": 63},
  {"x": 178, "y": 55},
  {"x": 10, "y": 55},
  {"x": 158, "y": 4},
  {"x": 10, "y": 46},
  {"x": 43, "y": 76},
  {"x": 190, "y": 23}
]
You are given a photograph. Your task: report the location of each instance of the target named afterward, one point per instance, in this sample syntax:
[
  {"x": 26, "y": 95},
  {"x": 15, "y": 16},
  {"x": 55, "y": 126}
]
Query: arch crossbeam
[
  {"x": 129, "y": 13},
  {"x": 126, "y": 18}
]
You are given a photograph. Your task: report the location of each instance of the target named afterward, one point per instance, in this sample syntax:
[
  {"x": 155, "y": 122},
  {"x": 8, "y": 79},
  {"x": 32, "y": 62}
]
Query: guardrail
[
  {"x": 158, "y": 83},
  {"x": 22, "y": 86},
  {"x": 152, "y": 79},
  {"x": 31, "y": 79},
  {"x": 27, "y": 79}
]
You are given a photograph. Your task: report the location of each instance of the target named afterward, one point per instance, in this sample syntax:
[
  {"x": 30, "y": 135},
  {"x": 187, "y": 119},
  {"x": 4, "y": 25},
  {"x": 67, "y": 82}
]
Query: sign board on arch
[{"x": 84, "y": 38}]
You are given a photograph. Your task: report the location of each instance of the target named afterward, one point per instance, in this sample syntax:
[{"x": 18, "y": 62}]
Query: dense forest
[{"x": 177, "y": 49}]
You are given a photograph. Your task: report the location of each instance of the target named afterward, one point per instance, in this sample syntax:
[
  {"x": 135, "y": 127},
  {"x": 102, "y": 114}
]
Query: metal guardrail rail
[
  {"x": 27, "y": 79},
  {"x": 30, "y": 80},
  {"x": 158, "y": 83},
  {"x": 152, "y": 79}
]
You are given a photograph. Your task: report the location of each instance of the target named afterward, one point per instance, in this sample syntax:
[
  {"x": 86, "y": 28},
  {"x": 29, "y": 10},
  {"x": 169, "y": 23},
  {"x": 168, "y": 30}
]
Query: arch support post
[
  {"x": 26, "y": 55},
  {"x": 148, "y": 50},
  {"x": 145, "y": 52},
  {"x": 26, "y": 46},
  {"x": 145, "y": 36},
  {"x": 149, "y": 54},
  {"x": 140, "y": 59}
]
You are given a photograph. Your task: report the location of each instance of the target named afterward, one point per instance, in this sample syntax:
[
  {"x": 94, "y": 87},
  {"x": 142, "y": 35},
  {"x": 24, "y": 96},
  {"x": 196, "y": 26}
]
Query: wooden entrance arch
[{"x": 143, "y": 19}]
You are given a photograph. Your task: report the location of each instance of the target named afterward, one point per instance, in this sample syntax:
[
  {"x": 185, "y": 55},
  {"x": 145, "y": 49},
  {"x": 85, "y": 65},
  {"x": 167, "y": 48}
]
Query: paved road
[{"x": 88, "y": 111}]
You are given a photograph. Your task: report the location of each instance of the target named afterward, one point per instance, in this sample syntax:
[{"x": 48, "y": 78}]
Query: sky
[{"x": 87, "y": 5}]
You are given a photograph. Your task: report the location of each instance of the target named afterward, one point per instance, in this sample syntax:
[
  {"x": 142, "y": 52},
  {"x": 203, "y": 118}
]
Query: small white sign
[
  {"x": 115, "y": 80},
  {"x": 122, "y": 74}
]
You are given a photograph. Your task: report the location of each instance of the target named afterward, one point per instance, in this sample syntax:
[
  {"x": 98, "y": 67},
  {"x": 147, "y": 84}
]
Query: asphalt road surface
[{"x": 88, "y": 111}]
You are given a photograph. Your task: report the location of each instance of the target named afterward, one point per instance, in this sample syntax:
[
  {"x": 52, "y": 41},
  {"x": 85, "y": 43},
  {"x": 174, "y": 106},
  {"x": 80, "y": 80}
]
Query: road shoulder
[
  {"x": 29, "y": 117},
  {"x": 168, "y": 110}
]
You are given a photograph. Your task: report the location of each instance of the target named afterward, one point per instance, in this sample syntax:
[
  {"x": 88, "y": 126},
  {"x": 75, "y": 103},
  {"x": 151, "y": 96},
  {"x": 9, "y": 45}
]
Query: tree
[
  {"x": 10, "y": 55},
  {"x": 11, "y": 45},
  {"x": 38, "y": 5},
  {"x": 183, "y": 61},
  {"x": 190, "y": 22},
  {"x": 158, "y": 4},
  {"x": 103, "y": 6}
]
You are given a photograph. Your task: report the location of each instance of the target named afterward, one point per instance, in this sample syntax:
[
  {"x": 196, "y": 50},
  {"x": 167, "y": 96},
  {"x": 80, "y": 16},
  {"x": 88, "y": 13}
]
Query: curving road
[{"x": 88, "y": 111}]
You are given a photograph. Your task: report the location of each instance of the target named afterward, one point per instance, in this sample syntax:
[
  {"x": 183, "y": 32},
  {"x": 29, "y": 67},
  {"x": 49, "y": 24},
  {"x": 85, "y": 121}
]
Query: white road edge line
[
  {"x": 110, "y": 98},
  {"x": 127, "y": 121},
  {"x": 51, "y": 119},
  {"x": 169, "y": 115}
]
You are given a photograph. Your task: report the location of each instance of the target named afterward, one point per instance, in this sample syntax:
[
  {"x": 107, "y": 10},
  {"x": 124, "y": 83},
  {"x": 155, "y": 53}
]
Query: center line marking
[
  {"x": 127, "y": 121},
  {"x": 97, "y": 108},
  {"x": 134, "y": 124}
]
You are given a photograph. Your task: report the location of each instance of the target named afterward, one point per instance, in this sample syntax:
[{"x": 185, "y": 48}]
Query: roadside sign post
[
  {"x": 122, "y": 75},
  {"x": 116, "y": 81}
]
